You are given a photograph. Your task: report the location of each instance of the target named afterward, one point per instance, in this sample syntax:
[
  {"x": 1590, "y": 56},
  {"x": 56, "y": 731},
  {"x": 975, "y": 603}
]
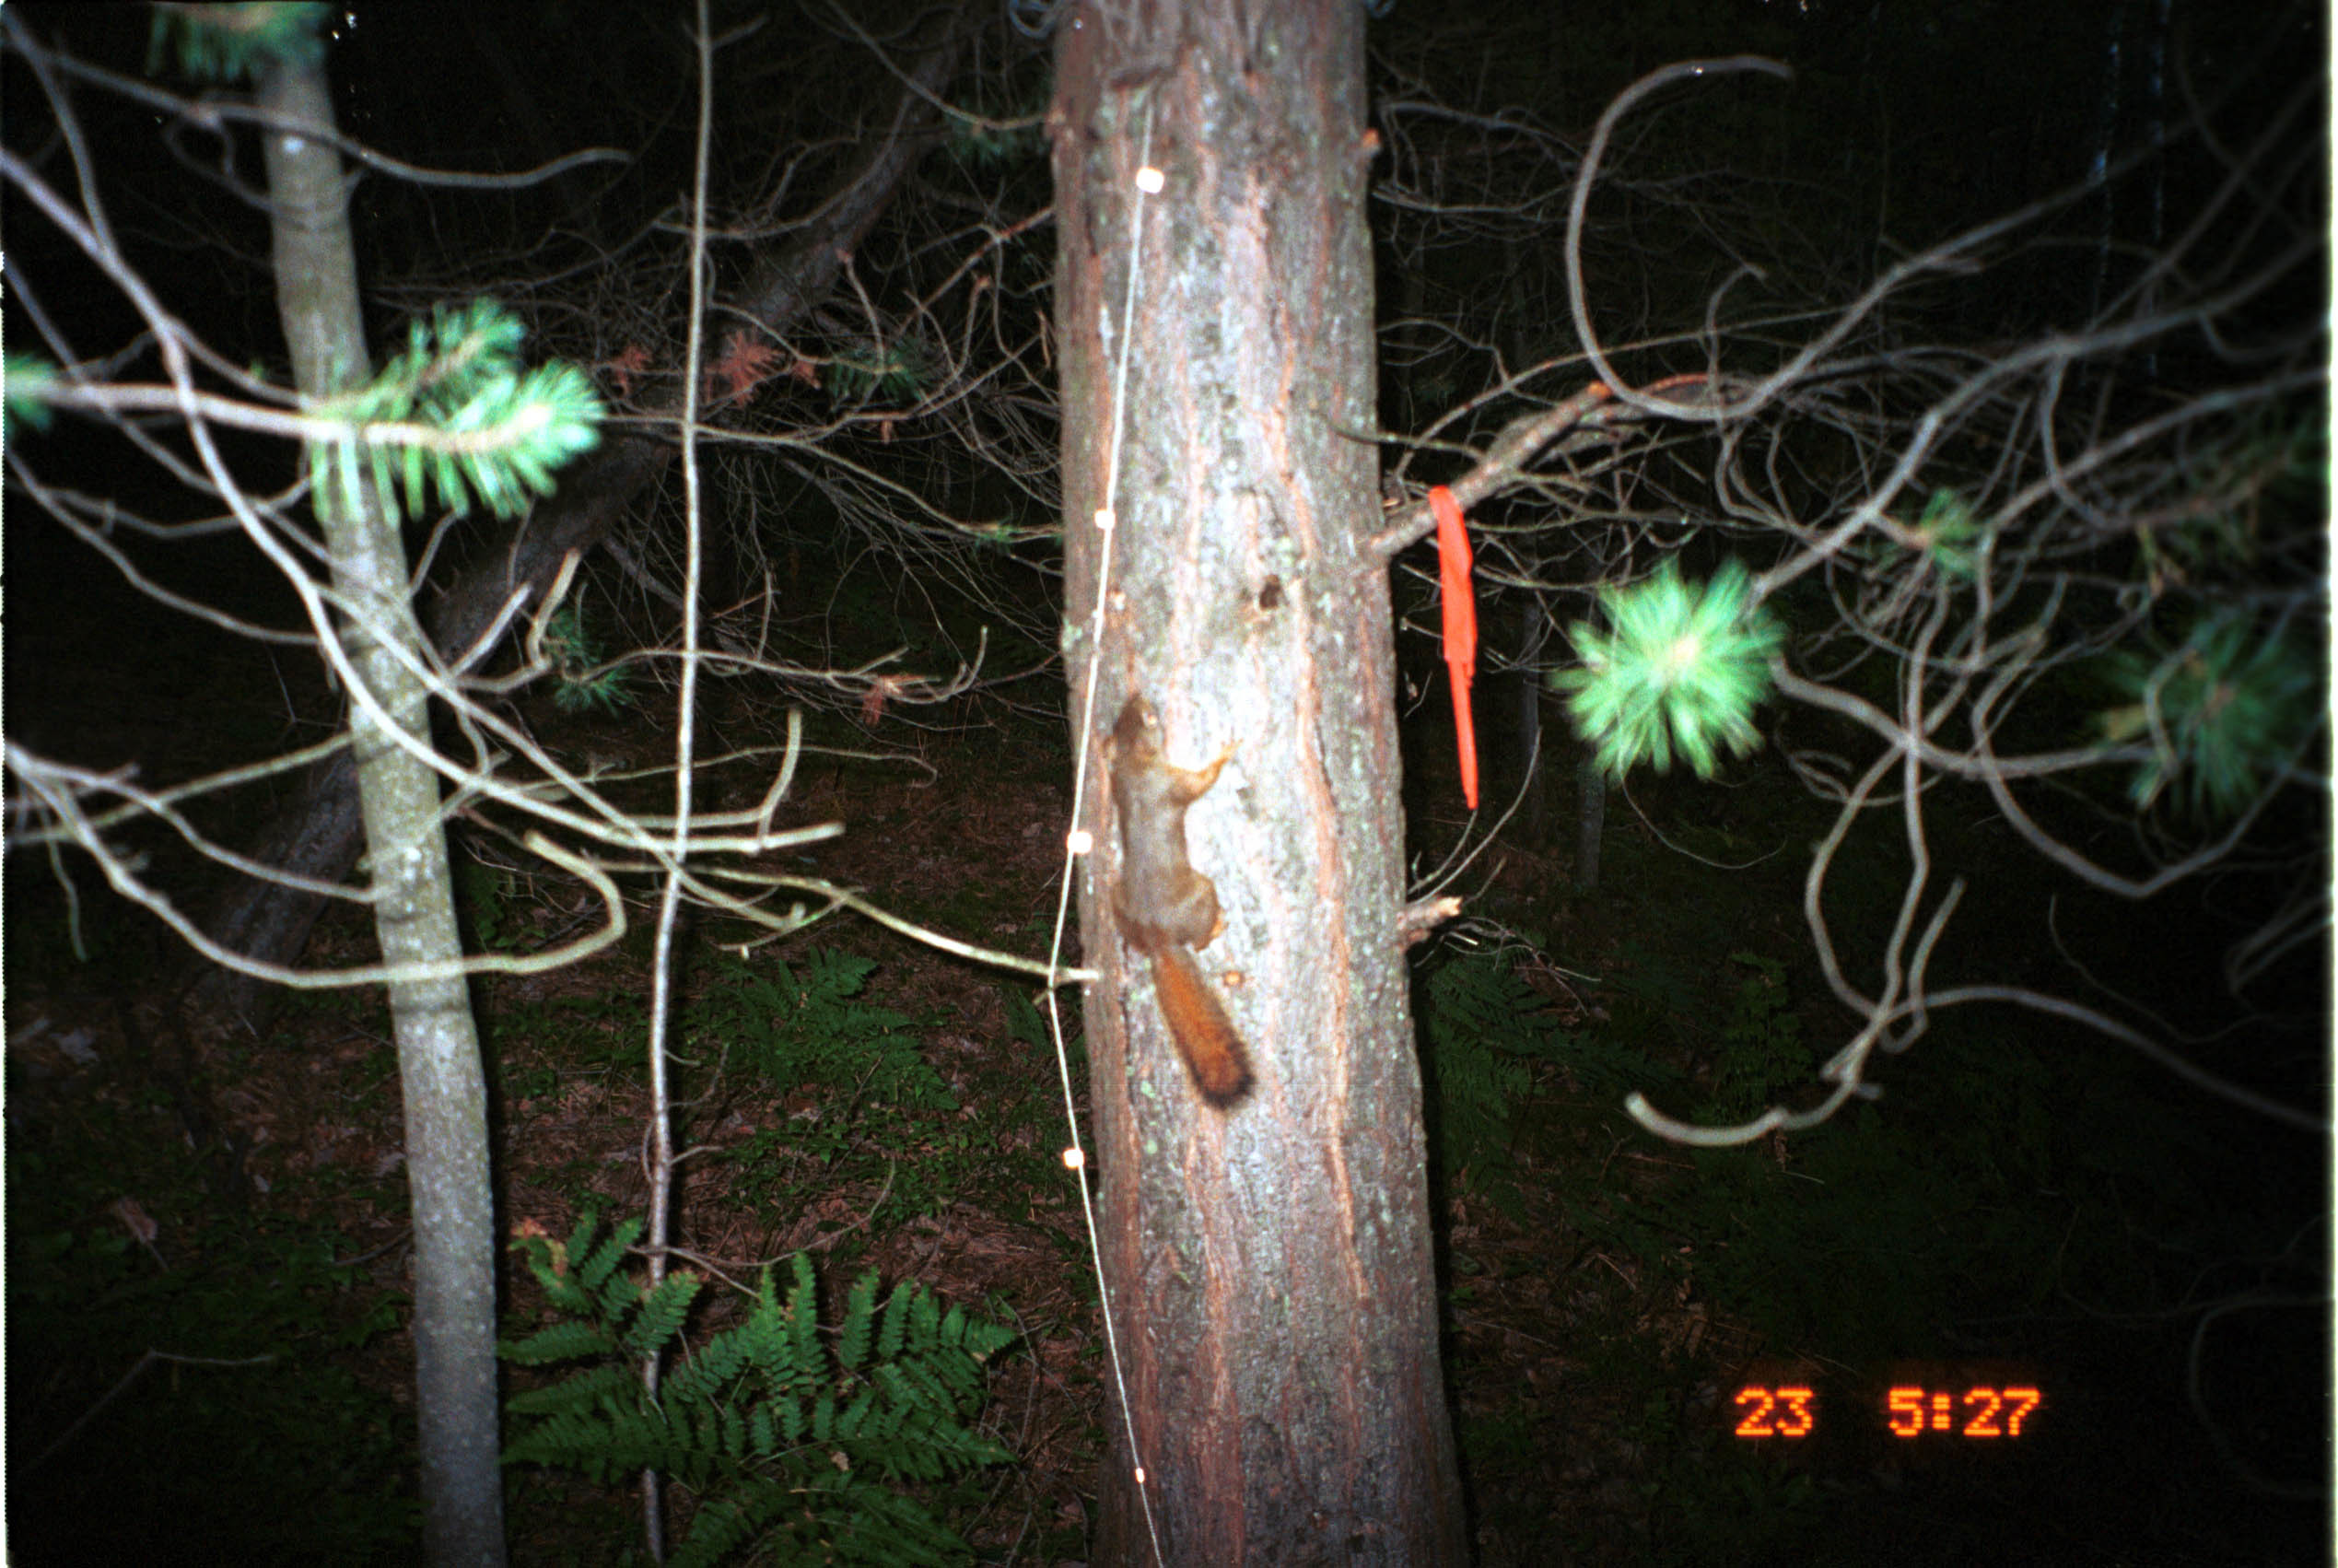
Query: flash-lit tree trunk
[
  {"x": 439, "y": 1072},
  {"x": 1269, "y": 1268},
  {"x": 319, "y": 834}
]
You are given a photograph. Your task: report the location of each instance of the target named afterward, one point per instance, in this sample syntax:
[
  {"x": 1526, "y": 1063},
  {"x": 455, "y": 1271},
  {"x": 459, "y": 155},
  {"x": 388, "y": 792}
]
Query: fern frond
[
  {"x": 709, "y": 1369},
  {"x": 895, "y": 1323},
  {"x": 852, "y": 1337},
  {"x": 804, "y": 1325},
  {"x": 790, "y": 1439},
  {"x": 660, "y": 1315},
  {"x": 726, "y": 1523},
  {"x": 561, "y": 1341},
  {"x": 596, "y": 1264},
  {"x": 855, "y": 1416},
  {"x": 560, "y": 1288},
  {"x": 582, "y": 1391},
  {"x": 605, "y": 1443},
  {"x": 580, "y": 1239}
]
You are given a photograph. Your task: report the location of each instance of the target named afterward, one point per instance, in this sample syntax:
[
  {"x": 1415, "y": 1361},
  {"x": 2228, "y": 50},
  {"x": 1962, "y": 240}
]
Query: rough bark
[
  {"x": 1269, "y": 1268},
  {"x": 439, "y": 1073}
]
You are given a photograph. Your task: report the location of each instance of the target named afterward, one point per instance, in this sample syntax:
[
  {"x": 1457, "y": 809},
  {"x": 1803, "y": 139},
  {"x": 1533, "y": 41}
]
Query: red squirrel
[{"x": 1165, "y": 909}]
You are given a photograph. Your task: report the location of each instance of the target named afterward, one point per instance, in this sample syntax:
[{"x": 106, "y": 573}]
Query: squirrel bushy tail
[{"x": 1198, "y": 1022}]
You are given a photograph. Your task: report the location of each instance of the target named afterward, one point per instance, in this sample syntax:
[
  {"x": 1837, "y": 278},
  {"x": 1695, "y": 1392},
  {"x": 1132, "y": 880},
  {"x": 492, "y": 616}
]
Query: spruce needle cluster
[{"x": 1679, "y": 670}]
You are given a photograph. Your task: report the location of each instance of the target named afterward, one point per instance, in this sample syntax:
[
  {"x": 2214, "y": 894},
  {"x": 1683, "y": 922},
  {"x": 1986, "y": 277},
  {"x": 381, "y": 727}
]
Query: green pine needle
[
  {"x": 28, "y": 380},
  {"x": 2222, "y": 715},
  {"x": 583, "y": 683},
  {"x": 1681, "y": 670},
  {"x": 510, "y": 428},
  {"x": 230, "y": 42},
  {"x": 1952, "y": 534},
  {"x": 899, "y": 372}
]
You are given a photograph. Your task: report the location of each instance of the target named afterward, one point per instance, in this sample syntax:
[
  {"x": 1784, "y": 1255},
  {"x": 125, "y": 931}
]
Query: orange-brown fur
[{"x": 1167, "y": 909}]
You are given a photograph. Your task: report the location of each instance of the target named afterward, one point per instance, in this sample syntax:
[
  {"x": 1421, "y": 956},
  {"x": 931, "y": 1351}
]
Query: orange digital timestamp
[
  {"x": 1776, "y": 1412},
  {"x": 1979, "y": 1412}
]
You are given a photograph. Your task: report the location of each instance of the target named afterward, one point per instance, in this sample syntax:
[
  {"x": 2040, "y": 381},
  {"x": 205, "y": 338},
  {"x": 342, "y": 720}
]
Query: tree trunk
[
  {"x": 1533, "y": 740},
  {"x": 1269, "y": 1266},
  {"x": 413, "y": 893},
  {"x": 1591, "y": 800},
  {"x": 1591, "y": 815},
  {"x": 319, "y": 834}
]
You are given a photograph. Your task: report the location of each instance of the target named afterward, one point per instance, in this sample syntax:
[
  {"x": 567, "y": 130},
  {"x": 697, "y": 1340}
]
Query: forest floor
[{"x": 183, "y": 1188}]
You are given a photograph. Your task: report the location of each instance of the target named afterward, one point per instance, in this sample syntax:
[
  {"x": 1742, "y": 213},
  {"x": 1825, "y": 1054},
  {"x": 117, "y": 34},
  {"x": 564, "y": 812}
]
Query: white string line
[{"x": 1105, "y": 521}]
